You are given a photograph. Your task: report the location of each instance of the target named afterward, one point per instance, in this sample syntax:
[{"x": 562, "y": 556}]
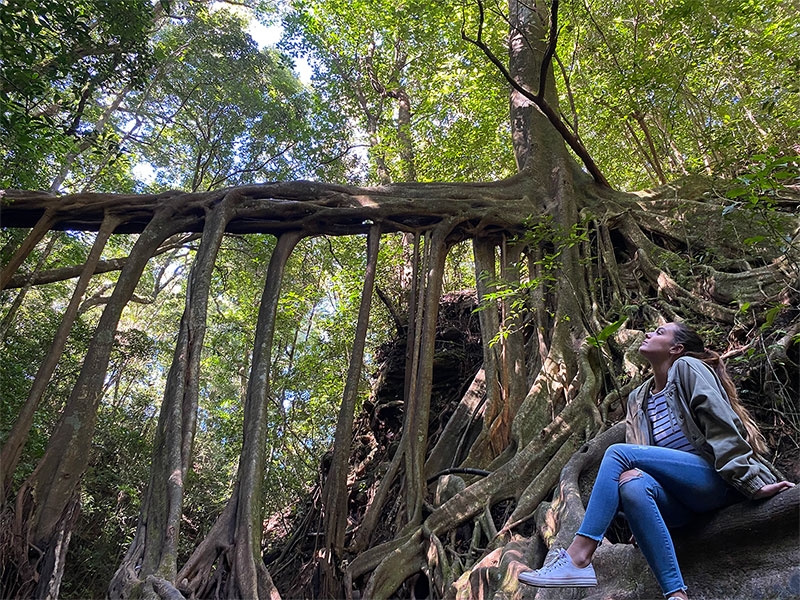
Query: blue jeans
[{"x": 670, "y": 488}]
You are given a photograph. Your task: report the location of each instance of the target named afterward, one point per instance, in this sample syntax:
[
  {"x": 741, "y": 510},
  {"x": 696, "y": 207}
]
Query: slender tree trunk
[
  {"x": 47, "y": 502},
  {"x": 32, "y": 279},
  {"x": 677, "y": 157},
  {"x": 373, "y": 511},
  {"x": 408, "y": 160},
  {"x": 512, "y": 347},
  {"x": 646, "y": 158},
  {"x": 234, "y": 541},
  {"x": 377, "y": 153},
  {"x": 413, "y": 351},
  {"x": 250, "y": 574},
  {"x": 413, "y": 302},
  {"x": 36, "y": 234},
  {"x": 12, "y": 449},
  {"x": 335, "y": 491},
  {"x": 153, "y": 551},
  {"x": 418, "y": 407},
  {"x": 70, "y": 158},
  {"x": 335, "y": 487},
  {"x": 482, "y": 451},
  {"x": 639, "y": 118},
  {"x": 404, "y": 135}
]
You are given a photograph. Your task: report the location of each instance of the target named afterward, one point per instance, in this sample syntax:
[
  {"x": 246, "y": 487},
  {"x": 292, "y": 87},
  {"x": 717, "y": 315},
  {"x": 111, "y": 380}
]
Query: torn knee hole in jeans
[{"x": 626, "y": 476}]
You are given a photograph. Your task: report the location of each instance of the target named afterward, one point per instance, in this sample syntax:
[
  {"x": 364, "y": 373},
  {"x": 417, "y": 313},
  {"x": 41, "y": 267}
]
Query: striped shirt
[{"x": 666, "y": 431}]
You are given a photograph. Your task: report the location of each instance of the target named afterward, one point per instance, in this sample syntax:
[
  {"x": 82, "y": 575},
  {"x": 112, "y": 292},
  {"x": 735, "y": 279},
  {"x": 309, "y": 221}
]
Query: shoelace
[{"x": 554, "y": 561}]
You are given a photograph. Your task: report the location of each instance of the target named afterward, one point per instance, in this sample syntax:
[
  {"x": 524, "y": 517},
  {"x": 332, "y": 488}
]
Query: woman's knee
[
  {"x": 628, "y": 475},
  {"x": 633, "y": 487},
  {"x": 613, "y": 450}
]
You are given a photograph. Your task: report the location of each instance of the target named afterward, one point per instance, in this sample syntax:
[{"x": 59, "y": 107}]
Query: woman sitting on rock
[{"x": 692, "y": 447}]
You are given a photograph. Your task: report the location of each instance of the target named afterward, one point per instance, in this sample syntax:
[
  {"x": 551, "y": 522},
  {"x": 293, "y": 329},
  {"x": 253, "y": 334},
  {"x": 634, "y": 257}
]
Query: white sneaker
[{"x": 560, "y": 572}]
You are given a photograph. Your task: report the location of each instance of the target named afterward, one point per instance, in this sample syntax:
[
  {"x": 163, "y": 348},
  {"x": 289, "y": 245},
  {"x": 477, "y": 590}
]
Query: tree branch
[
  {"x": 398, "y": 322},
  {"x": 545, "y": 108},
  {"x": 551, "y": 48},
  {"x": 72, "y": 271}
]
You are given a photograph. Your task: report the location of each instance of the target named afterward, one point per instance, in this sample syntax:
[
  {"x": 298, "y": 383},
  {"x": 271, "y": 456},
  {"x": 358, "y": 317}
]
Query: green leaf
[
  {"x": 736, "y": 192},
  {"x": 751, "y": 241},
  {"x": 607, "y": 332},
  {"x": 769, "y": 316}
]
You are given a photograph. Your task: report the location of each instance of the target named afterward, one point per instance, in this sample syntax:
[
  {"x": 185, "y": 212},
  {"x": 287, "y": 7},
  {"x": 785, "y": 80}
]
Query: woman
[{"x": 691, "y": 448}]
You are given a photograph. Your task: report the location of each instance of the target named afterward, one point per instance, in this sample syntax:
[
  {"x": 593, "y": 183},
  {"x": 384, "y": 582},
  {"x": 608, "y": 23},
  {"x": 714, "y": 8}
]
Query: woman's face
[{"x": 660, "y": 344}]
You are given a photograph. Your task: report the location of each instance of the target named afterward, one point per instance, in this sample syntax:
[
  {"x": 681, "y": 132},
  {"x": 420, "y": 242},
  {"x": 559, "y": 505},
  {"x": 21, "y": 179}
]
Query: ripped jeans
[{"x": 670, "y": 488}]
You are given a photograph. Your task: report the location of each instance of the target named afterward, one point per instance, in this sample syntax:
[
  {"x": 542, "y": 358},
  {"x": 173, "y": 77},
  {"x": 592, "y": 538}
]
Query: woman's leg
[
  {"x": 686, "y": 476},
  {"x": 649, "y": 510},
  {"x": 661, "y": 487}
]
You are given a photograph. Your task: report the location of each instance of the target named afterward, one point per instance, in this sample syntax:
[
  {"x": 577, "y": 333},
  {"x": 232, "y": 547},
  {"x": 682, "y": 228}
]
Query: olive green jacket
[{"x": 703, "y": 412}]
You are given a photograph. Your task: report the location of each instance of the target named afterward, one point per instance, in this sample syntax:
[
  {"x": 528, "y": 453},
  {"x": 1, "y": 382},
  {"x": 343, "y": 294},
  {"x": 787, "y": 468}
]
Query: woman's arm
[
  {"x": 734, "y": 458},
  {"x": 633, "y": 432}
]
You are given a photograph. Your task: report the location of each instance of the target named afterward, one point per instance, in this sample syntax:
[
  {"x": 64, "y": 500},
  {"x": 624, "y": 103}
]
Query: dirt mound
[{"x": 293, "y": 537}]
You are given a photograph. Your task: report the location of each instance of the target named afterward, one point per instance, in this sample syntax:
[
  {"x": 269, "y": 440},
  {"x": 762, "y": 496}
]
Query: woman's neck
[{"x": 660, "y": 372}]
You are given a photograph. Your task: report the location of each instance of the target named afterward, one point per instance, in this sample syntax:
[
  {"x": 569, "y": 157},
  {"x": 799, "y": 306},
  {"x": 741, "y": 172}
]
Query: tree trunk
[
  {"x": 543, "y": 409},
  {"x": 12, "y": 449},
  {"x": 86, "y": 143},
  {"x": 482, "y": 450},
  {"x": 234, "y": 542},
  {"x": 404, "y": 134},
  {"x": 42, "y": 226},
  {"x": 536, "y": 142},
  {"x": 335, "y": 491},
  {"x": 151, "y": 559},
  {"x": 639, "y": 118},
  {"x": 48, "y": 497},
  {"x": 8, "y": 318},
  {"x": 419, "y": 398}
]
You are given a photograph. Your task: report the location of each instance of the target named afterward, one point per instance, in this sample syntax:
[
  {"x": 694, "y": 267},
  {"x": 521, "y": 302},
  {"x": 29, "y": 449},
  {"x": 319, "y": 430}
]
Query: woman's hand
[{"x": 771, "y": 489}]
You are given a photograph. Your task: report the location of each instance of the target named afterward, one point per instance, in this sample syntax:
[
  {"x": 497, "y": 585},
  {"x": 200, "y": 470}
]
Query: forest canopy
[{"x": 214, "y": 265}]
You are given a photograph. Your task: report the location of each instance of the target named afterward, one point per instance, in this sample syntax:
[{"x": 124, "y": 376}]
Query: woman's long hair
[{"x": 694, "y": 346}]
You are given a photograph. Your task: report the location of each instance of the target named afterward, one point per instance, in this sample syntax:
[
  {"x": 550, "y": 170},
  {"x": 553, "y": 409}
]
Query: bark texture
[
  {"x": 335, "y": 493},
  {"x": 544, "y": 390},
  {"x": 228, "y": 562},
  {"x": 47, "y": 504},
  {"x": 12, "y": 448},
  {"x": 151, "y": 561}
]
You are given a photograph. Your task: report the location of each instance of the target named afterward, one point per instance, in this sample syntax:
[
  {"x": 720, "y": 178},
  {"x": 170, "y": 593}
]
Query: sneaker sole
[{"x": 561, "y": 583}]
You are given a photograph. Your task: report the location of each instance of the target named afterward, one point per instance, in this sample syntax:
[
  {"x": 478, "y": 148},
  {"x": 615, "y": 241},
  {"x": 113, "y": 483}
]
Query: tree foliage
[
  {"x": 60, "y": 64},
  {"x": 659, "y": 91}
]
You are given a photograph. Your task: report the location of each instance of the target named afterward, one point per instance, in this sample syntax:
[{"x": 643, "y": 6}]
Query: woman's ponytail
[{"x": 693, "y": 346}]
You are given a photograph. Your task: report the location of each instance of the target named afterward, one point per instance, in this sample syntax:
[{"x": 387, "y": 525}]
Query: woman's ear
[{"x": 677, "y": 349}]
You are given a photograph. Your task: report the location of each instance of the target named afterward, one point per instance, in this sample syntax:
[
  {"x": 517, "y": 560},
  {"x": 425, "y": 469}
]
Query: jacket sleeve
[
  {"x": 734, "y": 458},
  {"x": 632, "y": 436}
]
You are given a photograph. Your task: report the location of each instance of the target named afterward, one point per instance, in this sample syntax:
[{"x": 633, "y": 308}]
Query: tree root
[
  {"x": 448, "y": 448},
  {"x": 164, "y": 589}
]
